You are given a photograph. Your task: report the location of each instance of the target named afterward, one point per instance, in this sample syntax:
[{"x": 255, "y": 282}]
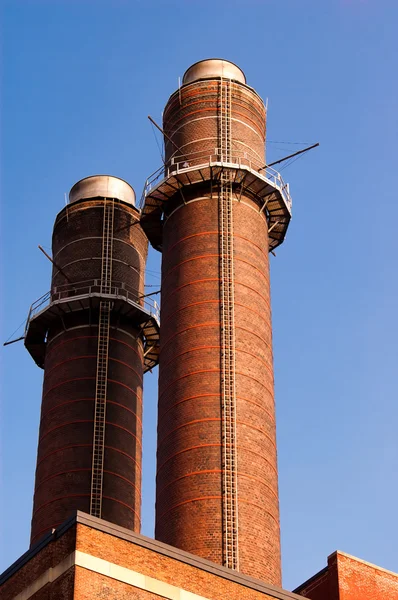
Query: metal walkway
[
  {"x": 87, "y": 296},
  {"x": 265, "y": 186}
]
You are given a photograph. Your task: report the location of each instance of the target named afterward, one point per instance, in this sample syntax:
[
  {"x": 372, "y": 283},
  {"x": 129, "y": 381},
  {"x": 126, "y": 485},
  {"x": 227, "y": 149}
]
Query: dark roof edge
[
  {"x": 29, "y": 554},
  {"x": 154, "y": 546},
  {"x": 185, "y": 557},
  {"x": 310, "y": 580}
]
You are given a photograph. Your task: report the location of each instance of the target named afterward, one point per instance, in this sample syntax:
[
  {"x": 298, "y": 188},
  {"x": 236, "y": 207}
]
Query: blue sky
[{"x": 78, "y": 81}]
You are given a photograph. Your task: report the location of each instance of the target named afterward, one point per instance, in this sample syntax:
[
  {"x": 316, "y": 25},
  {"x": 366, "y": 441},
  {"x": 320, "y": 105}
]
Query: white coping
[
  {"x": 47, "y": 577},
  {"x": 104, "y": 567},
  {"x": 360, "y": 560}
]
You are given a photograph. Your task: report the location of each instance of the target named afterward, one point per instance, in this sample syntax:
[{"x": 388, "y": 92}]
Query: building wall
[
  {"x": 33, "y": 567},
  {"x": 189, "y": 508},
  {"x": 349, "y": 578},
  {"x": 358, "y": 579},
  {"x": 90, "y": 585},
  {"x": 323, "y": 586},
  {"x": 63, "y": 588},
  {"x": 162, "y": 568},
  {"x": 96, "y": 559}
]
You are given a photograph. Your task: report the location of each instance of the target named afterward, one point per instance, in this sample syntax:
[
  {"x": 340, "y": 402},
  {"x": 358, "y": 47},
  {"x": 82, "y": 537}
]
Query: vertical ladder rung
[
  {"x": 230, "y": 512},
  {"x": 102, "y": 362}
]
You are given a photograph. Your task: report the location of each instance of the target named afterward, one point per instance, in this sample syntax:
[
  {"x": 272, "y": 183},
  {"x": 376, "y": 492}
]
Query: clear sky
[{"x": 78, "y": 81}]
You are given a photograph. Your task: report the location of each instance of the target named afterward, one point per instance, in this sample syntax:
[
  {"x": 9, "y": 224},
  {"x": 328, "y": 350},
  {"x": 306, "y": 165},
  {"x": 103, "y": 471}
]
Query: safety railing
[
  {"x": 90, "y": 287},
  {"x": 196, "y": 162}
]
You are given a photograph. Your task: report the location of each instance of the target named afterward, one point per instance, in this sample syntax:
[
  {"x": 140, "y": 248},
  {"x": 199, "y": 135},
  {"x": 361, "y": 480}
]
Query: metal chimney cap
[
  {"x": 211, "y": 68},
  {"x": 102, "y": 186}
]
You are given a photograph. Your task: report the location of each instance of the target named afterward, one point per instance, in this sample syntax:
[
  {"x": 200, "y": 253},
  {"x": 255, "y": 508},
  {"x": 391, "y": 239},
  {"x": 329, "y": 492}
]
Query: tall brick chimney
[
  {"x": 94, "y": 335},
  {"x": 215, "y": 212}
]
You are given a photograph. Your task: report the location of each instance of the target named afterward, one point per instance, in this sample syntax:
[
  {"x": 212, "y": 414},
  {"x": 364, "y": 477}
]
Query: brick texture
[
  {"x": 156, "y": 564},
  {"x": 77, "y": 244},
  {"x": 189, "y": 470},
  {"x": 91, "y": 585},
  {"x": 61, "y": 589},
  {"x": 163, "y": 568},
  {"x": 190, "y": 119},
  {"x": 63, "y": 474},
  {"x": 50, "y": 556},
  {"x": 348, "y": 578}
]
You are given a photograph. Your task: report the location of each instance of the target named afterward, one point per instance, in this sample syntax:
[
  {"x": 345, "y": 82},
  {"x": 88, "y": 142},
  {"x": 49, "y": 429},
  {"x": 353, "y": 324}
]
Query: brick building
[
  {"x": 349, "y": 578},
  {"x": 89, "y": 558},
  {"x": 215, "y": 210}
]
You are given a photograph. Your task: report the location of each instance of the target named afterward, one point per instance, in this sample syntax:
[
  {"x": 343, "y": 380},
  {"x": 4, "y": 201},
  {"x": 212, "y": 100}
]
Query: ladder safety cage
[
  {"x": 228, "y": 366},
  {"x": 101, "y": 383}
]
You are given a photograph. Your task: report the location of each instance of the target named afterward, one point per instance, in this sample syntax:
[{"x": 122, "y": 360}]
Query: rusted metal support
[
  {"x": 54, "y": 263},
  {"x": 276, "y": 162}
]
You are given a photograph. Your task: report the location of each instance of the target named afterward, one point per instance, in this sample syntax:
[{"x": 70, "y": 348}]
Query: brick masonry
[
  {"x": 63, "y": 473},
  {"x": 190, "y": 119},
  {"x": 189, "y": 470},
  {"x": 31, "y": 566},
  {"x": 90, "y": 558},
  {"x": 349, "y": 578}
]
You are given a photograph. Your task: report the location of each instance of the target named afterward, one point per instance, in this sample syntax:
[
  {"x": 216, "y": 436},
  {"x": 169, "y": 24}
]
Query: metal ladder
[
  {"x": 228, "y": 366},
  {"x": 97, "y": 471}
]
